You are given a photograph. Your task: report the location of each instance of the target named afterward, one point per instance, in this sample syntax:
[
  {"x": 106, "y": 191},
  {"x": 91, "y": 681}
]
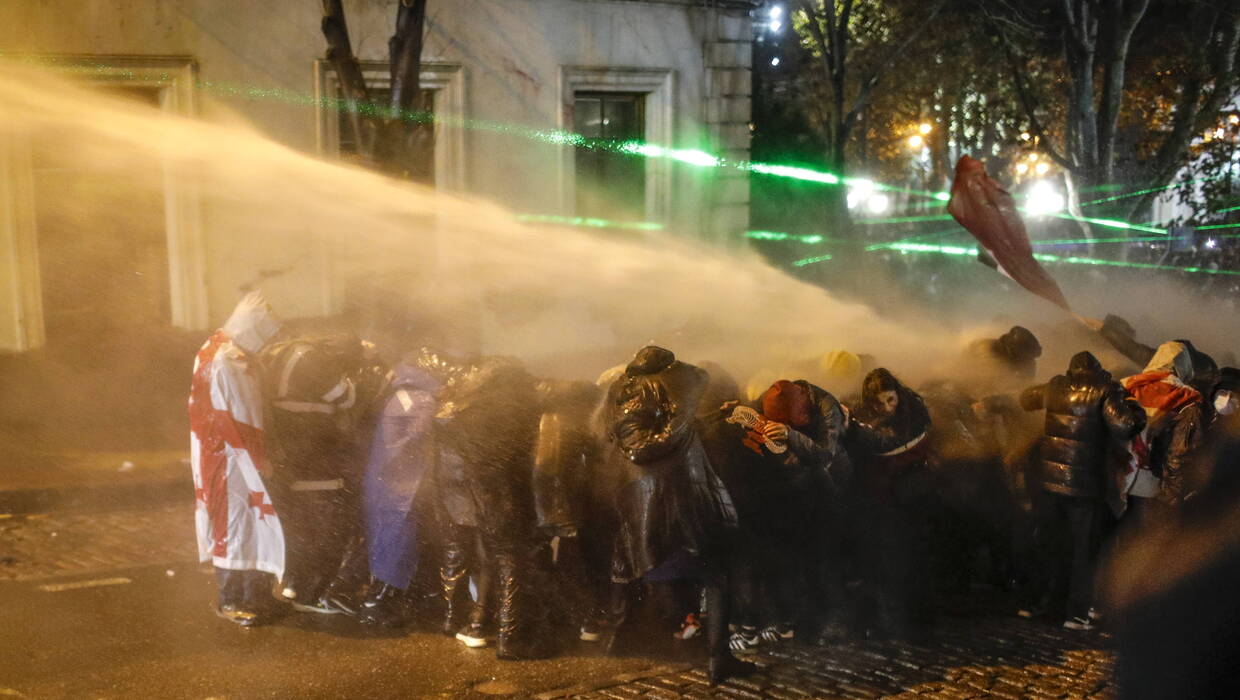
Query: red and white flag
[
  {"x": 980, "y": 205},
  {"x": 236, "y": 522}
]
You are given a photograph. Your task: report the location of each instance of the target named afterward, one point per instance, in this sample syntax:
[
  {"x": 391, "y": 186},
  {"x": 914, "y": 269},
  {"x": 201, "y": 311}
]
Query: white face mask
[{"x": 1225, "y": 402}]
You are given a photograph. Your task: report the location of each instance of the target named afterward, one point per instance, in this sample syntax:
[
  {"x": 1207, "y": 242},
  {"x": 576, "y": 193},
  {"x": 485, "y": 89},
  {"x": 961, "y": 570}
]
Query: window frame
[
  {"x": 658, "y": 88},
  {"x": 175, "y": 78}
]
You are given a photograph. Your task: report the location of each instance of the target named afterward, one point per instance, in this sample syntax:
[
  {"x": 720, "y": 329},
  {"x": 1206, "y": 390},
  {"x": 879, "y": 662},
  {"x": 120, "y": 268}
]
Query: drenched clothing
[
  {"x": 668, "y": 498},
  {"x": 236, "y": 522},
  {"x": 1084, "y": 410},
  {"x": 402, "y": 454},
  {"x": 1172, "y": 432},
  {"x": 312, "y": 398}
]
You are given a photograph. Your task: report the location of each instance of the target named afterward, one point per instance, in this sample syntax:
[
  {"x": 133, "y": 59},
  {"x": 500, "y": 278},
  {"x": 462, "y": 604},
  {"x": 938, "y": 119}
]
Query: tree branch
[{"x": 349, "y": 73}]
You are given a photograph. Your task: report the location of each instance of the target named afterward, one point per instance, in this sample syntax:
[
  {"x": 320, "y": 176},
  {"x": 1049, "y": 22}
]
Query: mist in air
[{"x": 568, "y": 302}]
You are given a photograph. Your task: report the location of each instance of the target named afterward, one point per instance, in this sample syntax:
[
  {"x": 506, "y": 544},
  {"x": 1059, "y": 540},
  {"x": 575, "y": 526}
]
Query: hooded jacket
[
  {"x": 1085, "y": 408},
  {"x": 668, "y": 499},
  {"x": 1173, "y": 409},
  {"x": 237, "y": 524}
]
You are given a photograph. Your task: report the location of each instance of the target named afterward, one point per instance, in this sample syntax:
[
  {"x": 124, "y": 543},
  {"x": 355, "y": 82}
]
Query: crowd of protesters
[{"x": 545, "y": 510}]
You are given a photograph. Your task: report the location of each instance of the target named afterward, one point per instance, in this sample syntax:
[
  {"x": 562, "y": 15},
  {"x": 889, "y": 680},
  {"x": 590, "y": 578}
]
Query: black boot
[
  {"x": 515, "y": 638},
  {"x": 454, "y": 578},
  {"x": 384, "y": 605},
  {"x": 617, "y": 613},
  {"x": 722, "y": 664}
]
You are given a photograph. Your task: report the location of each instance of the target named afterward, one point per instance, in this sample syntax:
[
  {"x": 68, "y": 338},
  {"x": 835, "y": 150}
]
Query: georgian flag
[{"x": 988, "y": 212}]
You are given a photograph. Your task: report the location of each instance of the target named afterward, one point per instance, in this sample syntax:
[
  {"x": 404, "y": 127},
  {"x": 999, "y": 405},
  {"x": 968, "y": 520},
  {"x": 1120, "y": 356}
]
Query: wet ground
[{"x": 111, "y": 604}]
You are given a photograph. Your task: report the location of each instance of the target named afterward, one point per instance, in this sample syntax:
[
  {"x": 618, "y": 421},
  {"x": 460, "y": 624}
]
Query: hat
[{"x": 787, "y": 402}]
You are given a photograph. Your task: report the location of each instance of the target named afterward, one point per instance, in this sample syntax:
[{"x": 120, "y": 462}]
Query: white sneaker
[
  {"x": 745, "y": 642},
  {"x": 776, "y": 633},
  {"x": 1080, "y": 624},
  {"x": 473, "y": 640},
  {"x": 321, "y": 607}
]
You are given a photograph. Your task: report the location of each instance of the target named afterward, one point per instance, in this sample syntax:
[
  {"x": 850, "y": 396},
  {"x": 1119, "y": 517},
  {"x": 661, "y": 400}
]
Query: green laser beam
[
  {"x": 1150, "y": 190},
  {"x": 1215, "y": 227},
  {"x": 1047, "y": 257},
  {"x": 810, "y": 238},
  {"x": 810, "y": 261},
  {"x": 588, "y": 222}
]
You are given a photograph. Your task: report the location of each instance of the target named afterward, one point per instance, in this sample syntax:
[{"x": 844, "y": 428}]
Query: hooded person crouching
[
  {"x": 1173, "y": 431},
  {"x": 674, "y": 512}
]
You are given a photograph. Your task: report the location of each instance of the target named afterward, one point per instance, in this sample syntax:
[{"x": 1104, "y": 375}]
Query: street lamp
[{"x": 1043, "y": 199}]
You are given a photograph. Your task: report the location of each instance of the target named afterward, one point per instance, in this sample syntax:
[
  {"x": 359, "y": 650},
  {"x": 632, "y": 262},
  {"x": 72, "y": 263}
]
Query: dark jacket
[
  {"x": 1084, "y": 410},
  {"x": 563, "y": 455},
  {"x": 314, "y": 407},
  {"x": 1173, "y": 450},
  {"x": 489, "y": 418},
  {"x": 668, "y": 499}
]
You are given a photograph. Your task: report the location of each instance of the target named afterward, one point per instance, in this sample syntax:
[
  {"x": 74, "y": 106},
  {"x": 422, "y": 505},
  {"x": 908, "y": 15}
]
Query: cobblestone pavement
[
  {"x": 969, "y": 658},
  {"x": 70, "y": 543}
]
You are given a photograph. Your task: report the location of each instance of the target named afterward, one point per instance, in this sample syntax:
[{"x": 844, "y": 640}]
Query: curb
[{"x": 106, "y": 497}]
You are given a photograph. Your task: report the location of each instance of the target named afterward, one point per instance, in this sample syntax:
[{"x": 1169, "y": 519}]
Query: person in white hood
[{"x": 238, "y": 528}]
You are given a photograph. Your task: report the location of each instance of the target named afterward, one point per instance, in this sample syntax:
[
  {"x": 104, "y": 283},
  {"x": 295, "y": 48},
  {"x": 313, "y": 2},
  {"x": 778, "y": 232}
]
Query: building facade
[{"x": 670, "y": 72}]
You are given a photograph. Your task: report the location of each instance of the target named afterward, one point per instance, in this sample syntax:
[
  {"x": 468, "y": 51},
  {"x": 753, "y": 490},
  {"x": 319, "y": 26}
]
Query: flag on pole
[{"x": 988, "y": 212}]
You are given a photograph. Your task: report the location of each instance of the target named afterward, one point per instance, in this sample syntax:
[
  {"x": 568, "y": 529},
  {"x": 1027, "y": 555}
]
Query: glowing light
[
  {"x": 1211, "y": 243},
  {"x": 1022, "y": 168},
  {"x": 700, "y": 159},
  {"x": 1220, "y": 133},
  {"x": 878, "y": 203},
  {"x": 775, "y": 12},
  {"x": 1042, "y": 168},
  {"x": 859, "y": 191},
  {"x": 1043, "y": 199},
  {"x": 1233, "y": 119},
  {"x": 1033, "y": 157},
  {"x": 793, "y": 173},
  {"x": 916, "y": 141},
  {"x": 776, "y": 25},
  {"x": 943, "y": 196},
  {"x": 1024, "y": 136},
  {"x": 924, "y": 128},
  {"x": 809, "y": 261},
  {"x": 775, "y": 61}
]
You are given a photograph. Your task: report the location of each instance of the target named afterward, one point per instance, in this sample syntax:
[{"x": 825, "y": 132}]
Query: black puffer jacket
[{"x": 1084, "y": 409}]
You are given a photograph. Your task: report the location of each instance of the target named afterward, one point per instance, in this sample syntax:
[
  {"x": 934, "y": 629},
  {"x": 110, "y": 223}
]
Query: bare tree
[
  {"x": 1082, "y": 134},
  {"x": 395, "y": 138},
  {"x": 856, "y": 42}
]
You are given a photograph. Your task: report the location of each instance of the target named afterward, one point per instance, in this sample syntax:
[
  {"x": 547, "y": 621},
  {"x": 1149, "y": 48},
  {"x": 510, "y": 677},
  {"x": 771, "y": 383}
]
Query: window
[
  {"x": 381, "y": 96},
  {"x": 640, "y": 101},
  {"x": 125, "y": 286},
  {"x": 161, "y": 255},
  {"x": 610, "y": 185},
  {"x": 443, "y": 93}
]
